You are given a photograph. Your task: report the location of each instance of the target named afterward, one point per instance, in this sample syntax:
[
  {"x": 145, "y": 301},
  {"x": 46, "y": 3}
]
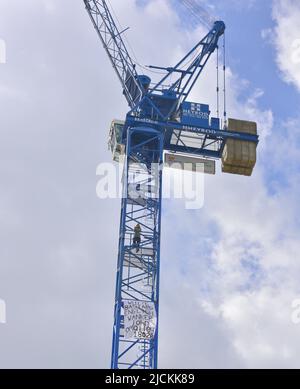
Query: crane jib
[{"x": 161, "y": 121}]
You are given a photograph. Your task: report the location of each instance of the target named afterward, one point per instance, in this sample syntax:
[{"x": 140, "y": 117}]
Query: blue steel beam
[
  {"x": 209, "y": 131},
  {"x": 211, "y": 136},
  {"x": 189, "y": 68},
  {"x": 116, "y": 50},
  {"x": 152, "y": 126},
  {"x": 143, "y": 158}
]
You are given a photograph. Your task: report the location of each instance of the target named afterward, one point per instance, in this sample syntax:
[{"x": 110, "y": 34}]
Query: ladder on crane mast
[
  {"x": 138, "y": 268},
  {"x": 160, "y": 119}
]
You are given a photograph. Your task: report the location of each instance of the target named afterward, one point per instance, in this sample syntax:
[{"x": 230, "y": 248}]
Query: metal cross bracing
[
  {"x": 187, "y": 70},
  {"x": 205, "y": 139},
  {"x": 160, "y": 119},
  {"x": 153, "y": 100},
  {"x": 138, "y": 270},
  {"x": 112, "y": 41}
]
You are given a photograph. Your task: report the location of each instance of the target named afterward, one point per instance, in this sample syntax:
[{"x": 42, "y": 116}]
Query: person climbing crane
[
  {"x": 137, "y": 237},
  {"x": 161, "y": 119}
]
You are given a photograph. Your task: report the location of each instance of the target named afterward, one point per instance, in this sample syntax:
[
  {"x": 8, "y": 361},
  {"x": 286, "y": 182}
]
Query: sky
[{"x": 230, "y": 282}]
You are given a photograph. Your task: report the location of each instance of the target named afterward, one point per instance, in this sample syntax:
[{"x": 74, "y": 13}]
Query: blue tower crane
[{"x": 160, "y": 120}]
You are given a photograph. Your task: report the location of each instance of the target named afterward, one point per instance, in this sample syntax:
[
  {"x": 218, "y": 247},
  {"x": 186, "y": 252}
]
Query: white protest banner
[{"x": 140, "y": 319}]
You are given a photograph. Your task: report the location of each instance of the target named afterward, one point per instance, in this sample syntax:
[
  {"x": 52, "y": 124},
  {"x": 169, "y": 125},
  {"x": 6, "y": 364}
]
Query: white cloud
[
  {"x": 286, "y": 39},
  {"x": 247, "y": 277},
  {"x": 49, "y": 6},
  {"x": 2, "y": 51},
  {"x": 264, "y": 333},
  {"x": 229, "y": 272},
  {"x": 2, "y": 312}
]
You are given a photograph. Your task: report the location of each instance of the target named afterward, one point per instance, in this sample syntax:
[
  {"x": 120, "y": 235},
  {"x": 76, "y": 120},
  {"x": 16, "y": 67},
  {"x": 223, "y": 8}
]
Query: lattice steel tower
[{"x": 160, "y": 121}]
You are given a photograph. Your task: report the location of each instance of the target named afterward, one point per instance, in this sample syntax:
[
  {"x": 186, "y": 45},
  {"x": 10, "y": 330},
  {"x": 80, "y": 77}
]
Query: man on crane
[
  {"x": 137, "y": 237},
  {"x": 161, "y": 118}
]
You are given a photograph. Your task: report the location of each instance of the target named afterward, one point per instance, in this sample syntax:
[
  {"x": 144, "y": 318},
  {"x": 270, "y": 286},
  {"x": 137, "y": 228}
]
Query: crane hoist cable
[
  {"x": 218, "y": 86},
  {"x": 199, "y": 12},
  {"x": 136, "y": 61},
  {"x": 204, "y": 17},
  {"x": 224, "y": 89}
]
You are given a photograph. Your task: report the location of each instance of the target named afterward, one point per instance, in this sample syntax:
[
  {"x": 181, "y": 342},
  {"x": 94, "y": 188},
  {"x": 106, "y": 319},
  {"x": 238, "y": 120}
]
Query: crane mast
[{"x": 161, "y": 121}]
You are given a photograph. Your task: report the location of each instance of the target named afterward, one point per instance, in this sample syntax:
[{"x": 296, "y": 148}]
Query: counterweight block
[{"x": 239, "y": 156}]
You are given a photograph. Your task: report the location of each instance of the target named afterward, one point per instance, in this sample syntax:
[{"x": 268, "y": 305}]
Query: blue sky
[
  {"x": 248, "y": 54},
  {"x": 253, "y": 57},
  {"x": 229, "y": 281},
  {"x": 236, "y": 251}
]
